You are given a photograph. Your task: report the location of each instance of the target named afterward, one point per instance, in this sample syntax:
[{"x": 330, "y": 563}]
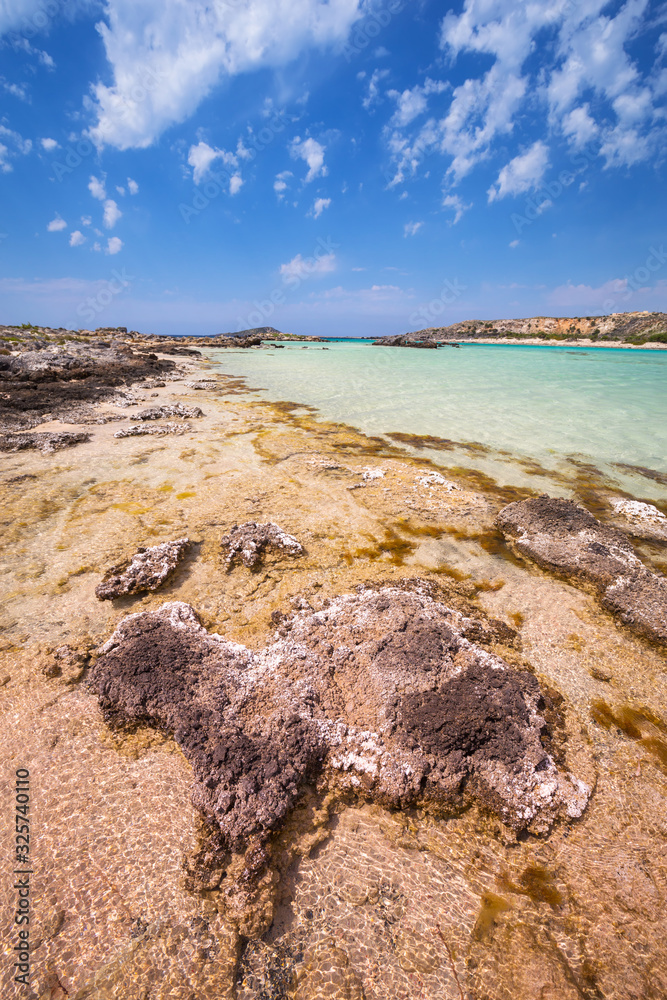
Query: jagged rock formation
[
  {"x": 174, "y": 410},
  {"x": 249, "y": 541},
  {"x": 640, "y": 519},
  {"x": 380, "y": 694},
  {"x": 47, "y": 441},
  {"x": 561, "y": 536},
  {"x": 139, "y": 430},
  {"x": 49, "y": 381},
  {"x": 146, "y": 570}
]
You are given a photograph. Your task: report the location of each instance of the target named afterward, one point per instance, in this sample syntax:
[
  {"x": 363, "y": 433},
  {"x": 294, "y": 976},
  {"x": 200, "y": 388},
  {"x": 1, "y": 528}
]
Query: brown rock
[
  {"x": 379, "y": 694},
  {"x": 559, "y": 535}
]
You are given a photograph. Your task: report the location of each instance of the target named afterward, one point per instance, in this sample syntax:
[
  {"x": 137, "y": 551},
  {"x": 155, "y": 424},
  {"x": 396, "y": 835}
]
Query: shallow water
[{"x": 604, "y": 405}]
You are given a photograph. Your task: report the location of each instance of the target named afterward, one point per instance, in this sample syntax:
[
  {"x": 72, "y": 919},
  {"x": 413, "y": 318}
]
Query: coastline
[
  {"x": 536, "y": 342},
  {"x": 368, "y": 513}
]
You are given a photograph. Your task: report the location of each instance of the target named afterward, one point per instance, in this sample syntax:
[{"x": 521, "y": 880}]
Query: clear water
[{"x": 607, "y": 405}]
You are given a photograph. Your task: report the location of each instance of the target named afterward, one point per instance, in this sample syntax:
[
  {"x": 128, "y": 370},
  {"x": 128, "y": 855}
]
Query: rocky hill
[{"x": 630, "y": 328}]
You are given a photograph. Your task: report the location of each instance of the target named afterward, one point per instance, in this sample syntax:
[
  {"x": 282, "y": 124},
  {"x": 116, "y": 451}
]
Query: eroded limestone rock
[
  {"x": 173, "y": 410},
  {"x": 146, "y": 570},
  {"x": 47, "y": 442},
  {"x": 379, "y": 694},
  {"x": 559, "y": 535},
  {"x": 139, "y": 430},
  {"x": 249, "y": 541}
]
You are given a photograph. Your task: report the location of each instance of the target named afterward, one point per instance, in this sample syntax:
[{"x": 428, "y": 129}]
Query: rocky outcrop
[
  {"x": 380, "y": 694},
  {"x": 406, "y": 341},
  {"x": 174, "y": 410},
  {"x": 47, "y": 441},
  {"x": 50, "y": 382},
  {"x": 140, "y": 430},
  {"x": 147, "y": 570},
  {"x": 559, "y": 535},
  {"x": 642, "y": 520},
  {"x": 249, "y": 541}
]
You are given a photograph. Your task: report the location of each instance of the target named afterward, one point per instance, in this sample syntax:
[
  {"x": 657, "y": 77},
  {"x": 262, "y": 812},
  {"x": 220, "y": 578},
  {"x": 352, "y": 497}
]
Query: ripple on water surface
[{"x": 608, "y": 405}]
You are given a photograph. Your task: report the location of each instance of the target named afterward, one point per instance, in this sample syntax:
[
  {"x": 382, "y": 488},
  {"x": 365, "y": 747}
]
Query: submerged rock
[
  {"x": 641, "y": 519},
  {"x": 46, "y": 442},
  {"x": 174, "y": 410},
  {"x": 559, "y": 535},
  {"x": 249, "y": 541},
  {"x": 146, "y": 570},
  {"x": 139, "y": 430},
  {"x": 379, "y": 694}
]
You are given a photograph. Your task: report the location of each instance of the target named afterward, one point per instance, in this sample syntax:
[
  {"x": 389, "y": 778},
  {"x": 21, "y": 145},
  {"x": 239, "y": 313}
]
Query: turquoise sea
[{"x": 552, "y": 403}]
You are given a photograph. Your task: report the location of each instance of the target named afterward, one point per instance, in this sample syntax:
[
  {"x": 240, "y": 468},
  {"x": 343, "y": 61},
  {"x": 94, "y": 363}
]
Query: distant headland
[{"x": 631, "y": 329}]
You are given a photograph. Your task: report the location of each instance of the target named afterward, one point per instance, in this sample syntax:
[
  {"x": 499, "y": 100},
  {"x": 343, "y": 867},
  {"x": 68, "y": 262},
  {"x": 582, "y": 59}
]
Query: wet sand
[{"x": 361, "y": 901}]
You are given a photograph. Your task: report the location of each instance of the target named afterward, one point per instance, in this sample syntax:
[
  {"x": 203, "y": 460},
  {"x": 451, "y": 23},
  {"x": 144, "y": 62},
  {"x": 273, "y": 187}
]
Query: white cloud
[
  {"x": 17, "y": 146},
  {"x": 112, "y": 213},
  {"x": 411, "y": 228},
  {"x": 165, "y": 58},
  {"x": 86, "y": 220},
  {"x": 280, "y": 183},
  {"x": 373, "y": 95},
  {"x": 76, "y": 238},
  {"x": 16, "y": 90},
  {"x": 301, "y": 268},
  {"x": 457, "y": 205},
  {"x": 235, "y": 183},
  {"x": 120, "y": 190},
  {"x": 313, "y": 153},
  {"x": 579, "y": 127},
  {"x": 96, "y": 187},
  {"x": 514, "y": 244},
  {"x": 523, "y": 173},
  {"x": 318, "y": 207},
  {"x": 587, "y": 56},
  {"x": 114, "y": 245},
  {"x": 413, "y": 102},
  {"x": 201, "y": 156},
  {"x": 49, "y": 145},
  {"x": 132, "y": 186},
  {"x": 55, "y": 225}
]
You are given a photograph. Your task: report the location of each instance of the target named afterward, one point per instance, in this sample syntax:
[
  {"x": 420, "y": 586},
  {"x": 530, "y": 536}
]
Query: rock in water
[
  {"x": 559, "y": 535},
  {"x": 379, "y": 694},
  {"x": 248, "y": 542},
  {"x": 173, "y": 410},
  {"x": 146, "y": 570},
  {"x": 47, "y": 441},
  {"x": 139, "y": 430}
]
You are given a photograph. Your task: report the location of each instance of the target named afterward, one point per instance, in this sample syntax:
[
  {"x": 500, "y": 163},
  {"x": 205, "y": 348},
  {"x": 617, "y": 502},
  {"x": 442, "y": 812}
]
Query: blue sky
[{"x": 343, "y": 168}]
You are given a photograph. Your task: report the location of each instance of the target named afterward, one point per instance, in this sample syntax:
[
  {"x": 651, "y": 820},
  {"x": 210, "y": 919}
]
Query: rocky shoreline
[
  {"x": 332, "y": 719},
  {"x": 635, "y": 329}
]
